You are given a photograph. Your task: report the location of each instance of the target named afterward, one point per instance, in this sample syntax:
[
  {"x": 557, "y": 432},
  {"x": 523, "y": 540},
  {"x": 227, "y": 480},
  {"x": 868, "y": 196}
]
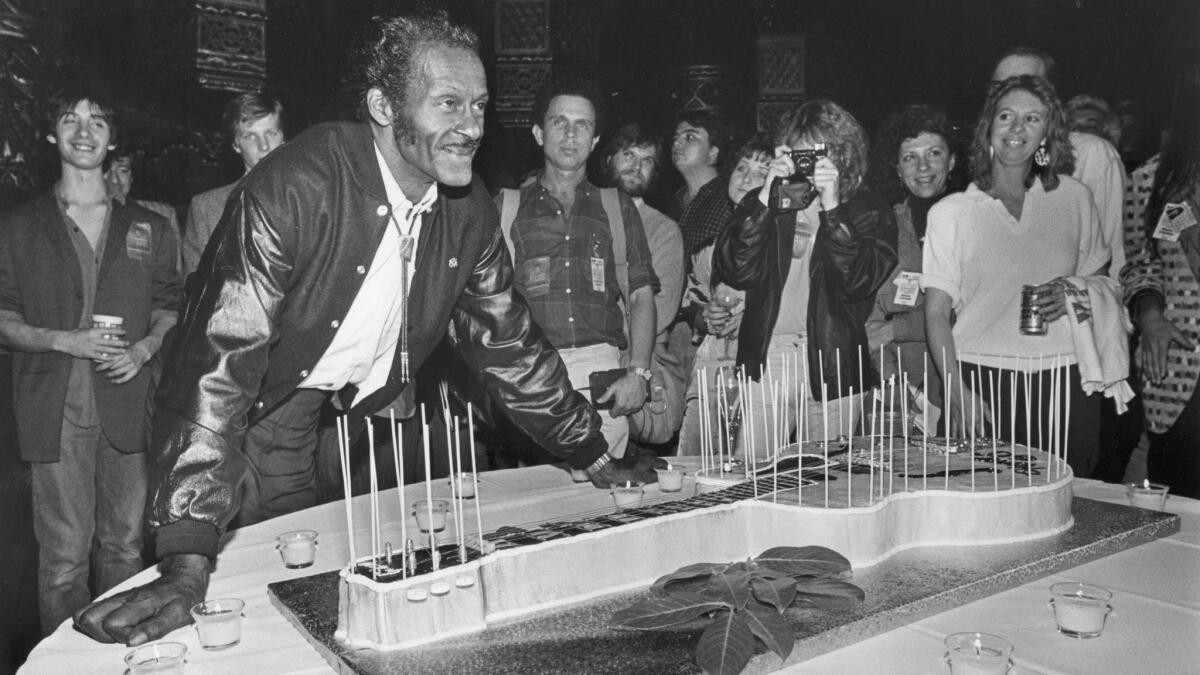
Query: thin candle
[
  {"x": 995, "y": 422},
  {"x": 1067, "y": 439},
  {"x": 971, "y": 450},
  {"x": 904, "y": 414},
  {"x": 1028, "y": 423},
  {"x": 344, "y": 459},
  {"x": 374, "y": 494},
  {"x": 850, "y": 474},
  {"x": 925, "y": 423},
  {"x": 891, "y": 431},
  {"x": 825, "y": 432},
  {"x": 1012, "y": 425},
  {"x": 429, "y": 491},
  {"x": 475, "y": 476},
  {"x": 398, "y": 464},
  {"x": 838, "y": 362}
]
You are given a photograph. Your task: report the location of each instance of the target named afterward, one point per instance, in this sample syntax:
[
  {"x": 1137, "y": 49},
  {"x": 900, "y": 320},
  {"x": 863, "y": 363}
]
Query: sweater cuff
[{"x": 186, "y": 536}]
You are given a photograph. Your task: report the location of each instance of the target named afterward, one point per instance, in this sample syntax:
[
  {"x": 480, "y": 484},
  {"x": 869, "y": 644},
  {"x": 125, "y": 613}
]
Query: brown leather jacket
[{"x": 288, "y": 258}]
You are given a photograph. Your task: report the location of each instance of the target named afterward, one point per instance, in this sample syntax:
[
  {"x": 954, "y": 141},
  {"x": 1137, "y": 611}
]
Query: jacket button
[
  {"x": 382, "y": 210},
  {"x": 335, "y": 323},
  {"x": 304, "y": 373},
  {"x": 360, "y": 269}
]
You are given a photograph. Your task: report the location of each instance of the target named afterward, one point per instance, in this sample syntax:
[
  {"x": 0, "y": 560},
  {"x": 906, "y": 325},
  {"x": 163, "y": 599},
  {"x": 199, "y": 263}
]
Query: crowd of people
[{"x": 324, "y": 277}]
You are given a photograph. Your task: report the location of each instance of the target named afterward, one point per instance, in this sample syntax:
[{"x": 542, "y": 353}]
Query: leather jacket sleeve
[
  {"x": 497, "y": 338},
  {"x": 741, "y": 250},
  {"x": 860, "y": 239},
  {"x": 211, "y": 379}
]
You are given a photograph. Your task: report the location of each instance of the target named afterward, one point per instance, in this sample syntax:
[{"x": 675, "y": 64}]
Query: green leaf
[
  {"x": 665, "y": 611},
  {"x": 726, "y": 646},
  {"x": 732, "y": 588},
  {"x": 828, "y": 587},
  {"x": 802, "y": 560},
  {"x": 779, "y": 592},
  {"x": 769, "y": 627},
  {"x": 685, "y": 573}
]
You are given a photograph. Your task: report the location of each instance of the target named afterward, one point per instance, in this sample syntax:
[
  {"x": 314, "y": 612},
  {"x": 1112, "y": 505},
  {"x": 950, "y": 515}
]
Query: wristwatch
[{"x": 643, "y": 373}]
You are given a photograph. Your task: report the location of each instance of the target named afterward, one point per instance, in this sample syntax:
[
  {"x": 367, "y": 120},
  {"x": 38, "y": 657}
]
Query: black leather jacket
[
  {"x": 276, "y": 281},
  {"x": 853, "y": 253}
]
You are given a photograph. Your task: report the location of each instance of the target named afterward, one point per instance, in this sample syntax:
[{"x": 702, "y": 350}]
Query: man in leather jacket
[{"x": 338, "y": 266}]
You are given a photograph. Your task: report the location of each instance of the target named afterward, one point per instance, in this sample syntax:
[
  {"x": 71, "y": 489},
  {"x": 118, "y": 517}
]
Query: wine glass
[{"x": 731, "y": 300}]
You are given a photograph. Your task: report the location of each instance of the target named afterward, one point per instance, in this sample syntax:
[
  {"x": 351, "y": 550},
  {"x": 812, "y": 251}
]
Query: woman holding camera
[
  {"x": 810, "y": 250},
  {"x": 1022, "y": 222},
  {"x": 914, "y": 159}
]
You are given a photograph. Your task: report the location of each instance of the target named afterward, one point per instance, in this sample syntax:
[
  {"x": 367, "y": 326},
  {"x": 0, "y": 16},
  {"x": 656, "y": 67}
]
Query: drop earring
[{"x": 1041, "y": 157}]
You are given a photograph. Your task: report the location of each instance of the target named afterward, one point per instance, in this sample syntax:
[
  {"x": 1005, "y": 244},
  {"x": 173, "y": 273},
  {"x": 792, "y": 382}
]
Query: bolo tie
[{"x": 408, "y": 247}]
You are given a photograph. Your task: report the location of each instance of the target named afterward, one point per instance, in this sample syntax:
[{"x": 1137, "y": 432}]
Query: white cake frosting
[{"x": 888, "y": 515}]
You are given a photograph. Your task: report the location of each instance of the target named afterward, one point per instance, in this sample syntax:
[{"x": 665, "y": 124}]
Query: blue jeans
[{"x": 87, "y": 506}]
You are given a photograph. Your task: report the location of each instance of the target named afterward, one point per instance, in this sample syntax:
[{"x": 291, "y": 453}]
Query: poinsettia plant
[{"x": 741, "y": 602}]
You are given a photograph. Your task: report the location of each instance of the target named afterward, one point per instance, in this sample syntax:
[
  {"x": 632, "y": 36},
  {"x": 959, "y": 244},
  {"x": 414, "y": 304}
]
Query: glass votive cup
[
  {"x": 421, "y": 511},
  {"x": 159, "y": 658},
  {"x": 464, "y": 485},
  {"x": 579, "y": 476},
  {"x": 219, "y": 622},
  {"x": 627, "y": 495},
  {"x": 298, "y": 548},
  {"x": 978, "y": 654},
  {"x": 1147, "y": 495},
  {"x": 1080, "y": 609},
  {"x": 670, "y": 479}
]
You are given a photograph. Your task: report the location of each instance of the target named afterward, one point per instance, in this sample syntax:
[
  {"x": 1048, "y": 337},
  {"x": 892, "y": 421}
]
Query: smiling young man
[
  {"x": 254, "y": 124},
  {"x": 342, "y": 261},
  {"x": 81, "y": 392}
]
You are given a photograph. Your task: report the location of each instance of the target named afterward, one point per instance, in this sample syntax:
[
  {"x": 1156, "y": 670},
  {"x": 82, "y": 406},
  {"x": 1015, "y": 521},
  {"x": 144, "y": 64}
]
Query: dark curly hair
[
  {"x": 388, "y": 54},
  {"x": 721, "y": 135},
  {"x": 823, "y": 121},
  {"x": 906, "y": 123},
  {"x": 569, "y": 84},
  {"x": 1058, "y": 143}
]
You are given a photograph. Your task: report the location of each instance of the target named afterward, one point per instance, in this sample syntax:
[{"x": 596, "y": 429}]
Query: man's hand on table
[
  {"x": 149, "y": 612},
  {"x": 637, "y": 468}
]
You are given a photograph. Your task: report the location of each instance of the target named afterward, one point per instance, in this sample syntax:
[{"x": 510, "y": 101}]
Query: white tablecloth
[{"x": 1156, "y": 594}]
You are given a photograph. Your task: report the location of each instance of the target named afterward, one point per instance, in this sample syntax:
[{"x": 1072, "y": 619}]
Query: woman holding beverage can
[{"x": 994, "y": 259}]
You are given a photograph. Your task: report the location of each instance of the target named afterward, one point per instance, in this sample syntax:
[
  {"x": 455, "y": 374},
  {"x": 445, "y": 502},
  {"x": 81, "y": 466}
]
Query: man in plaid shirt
[{"x": 565, "y": 268}]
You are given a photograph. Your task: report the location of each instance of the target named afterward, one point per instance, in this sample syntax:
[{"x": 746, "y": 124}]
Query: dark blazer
[
  {"x": 204, "y": 213},
  {"x": 288, "y": 258},
  {"x": 40, "y": 279},
  {"x": 754, "y": 254}
]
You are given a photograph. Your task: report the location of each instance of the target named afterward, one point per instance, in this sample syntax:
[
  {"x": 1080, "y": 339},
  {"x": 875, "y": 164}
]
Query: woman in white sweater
[{"x": 1023, "y": 221}]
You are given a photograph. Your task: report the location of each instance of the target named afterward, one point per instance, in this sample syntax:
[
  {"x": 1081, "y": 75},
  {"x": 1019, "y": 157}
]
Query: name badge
[
  {"x": 908, "y": 287},
  {"x": 598, "y": 275},
  {"x": 137, "y": 242},
  {"x": 1174, "y": 220}
]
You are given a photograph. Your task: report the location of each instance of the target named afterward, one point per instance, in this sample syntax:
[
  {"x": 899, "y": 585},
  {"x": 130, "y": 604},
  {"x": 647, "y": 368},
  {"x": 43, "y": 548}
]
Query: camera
[{"x": 797, "y": 192}]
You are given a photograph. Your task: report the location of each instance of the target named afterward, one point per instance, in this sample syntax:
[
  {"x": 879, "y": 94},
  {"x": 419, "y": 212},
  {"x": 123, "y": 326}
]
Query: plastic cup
[
  {"x": 298, "y": 548},
  {"x": 1080, "y": 610},
  {"x": 464, "y": 485},
  {"x": 158, "y": 658},
  {"x": 219, "y": 622},
  {"x": 978, "y": 654},
  {"x": 627, "y": 495},
  {"x": 1147, "y": 495},
  {"x": 421, "y": 512},
  {"x": 670, "y": 479},
  {"x": 106, "y": 321}
]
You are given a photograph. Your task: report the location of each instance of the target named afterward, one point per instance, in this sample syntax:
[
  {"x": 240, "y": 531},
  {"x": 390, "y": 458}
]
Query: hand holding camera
[{"x": 797, "y": 177}]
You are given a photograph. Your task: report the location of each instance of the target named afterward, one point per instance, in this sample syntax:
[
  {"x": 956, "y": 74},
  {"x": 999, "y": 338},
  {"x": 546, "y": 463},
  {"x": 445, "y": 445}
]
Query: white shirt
[
  {"x": 981, "y": 256},
  {"x": 364, "y": 346},
  {"x": 1098, "y": 166}
]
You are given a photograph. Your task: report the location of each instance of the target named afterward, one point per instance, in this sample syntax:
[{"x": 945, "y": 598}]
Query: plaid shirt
[
  {"x": 553, "y": 263},
  {"x": 1163, "y": 267},
  {"x": 704, "y": 217}
]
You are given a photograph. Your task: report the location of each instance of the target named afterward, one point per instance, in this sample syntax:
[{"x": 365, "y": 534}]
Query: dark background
[{"x": 872, "y": 56}]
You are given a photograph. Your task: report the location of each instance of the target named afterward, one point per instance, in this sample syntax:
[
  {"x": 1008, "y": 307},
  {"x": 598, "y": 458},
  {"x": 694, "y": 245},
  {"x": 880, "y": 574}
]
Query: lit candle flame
[
  {"x": 978, "y": 646},
  {"x": 1146, "y": 484}
]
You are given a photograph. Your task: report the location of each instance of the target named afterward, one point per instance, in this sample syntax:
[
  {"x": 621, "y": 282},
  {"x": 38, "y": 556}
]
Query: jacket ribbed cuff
[
  {"x": 187, "y": 536},
  {"x": 585, "y": 456}
]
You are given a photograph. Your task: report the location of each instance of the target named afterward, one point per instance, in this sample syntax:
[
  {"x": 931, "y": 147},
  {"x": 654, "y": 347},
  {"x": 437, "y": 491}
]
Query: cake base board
[{"x": 907, "y": 587}]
